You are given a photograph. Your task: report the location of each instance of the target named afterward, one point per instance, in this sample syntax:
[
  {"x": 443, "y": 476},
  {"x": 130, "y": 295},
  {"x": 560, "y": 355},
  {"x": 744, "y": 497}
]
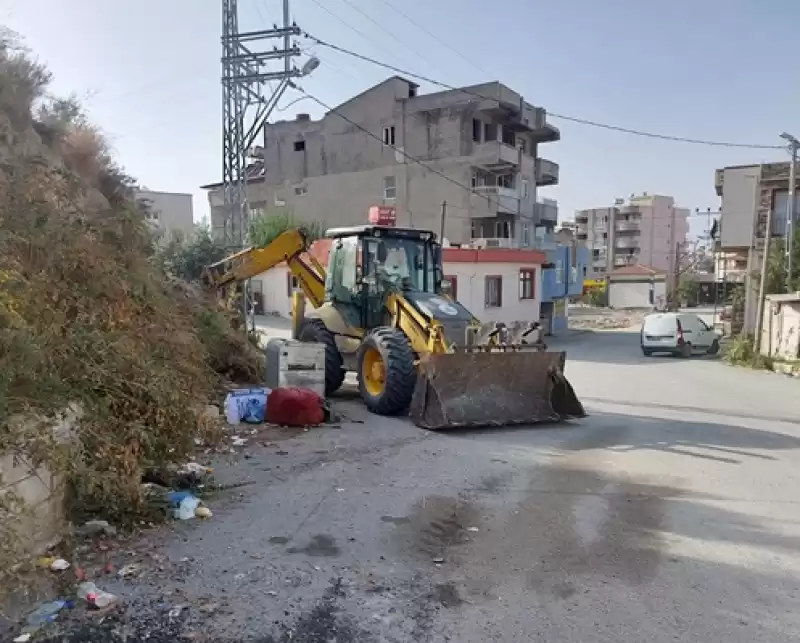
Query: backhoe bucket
[{"x": 492, "y": 389}]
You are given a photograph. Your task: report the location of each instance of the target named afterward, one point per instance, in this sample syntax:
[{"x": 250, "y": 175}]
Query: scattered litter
[
  {"x": 97, "y": 527},
  {"x": 473, "y": 529},
  {"x": 271, "y": 593},
  {"x": 438, "y": 560},
  {"x": 203, "y": 512},
  {"x": 246, "y": 405},
  {"x": 45, "y": 562},
  {"x": 281, "y": 453},
  {"x": 175, "y": 612},
  {"x": 46, "y": 613},
  {"x": 237, "y": 441},
  {"x": 94, "y": 596},
  {"x": 183, "y": 504},
  {"x": 129, "y": 571},
  {"x": 59, "y": 565},
  {"x": 339, "y": 490},
  {"x": 196, "y": 469},
  {"x": 23, "y": 638},
  {"x": 80, "y": 574}
]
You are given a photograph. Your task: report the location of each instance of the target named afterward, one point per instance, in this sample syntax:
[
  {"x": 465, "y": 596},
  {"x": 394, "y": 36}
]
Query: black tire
[
  {"x": 714, "y": 348},
  {"x": 685, "y": 351},
  {"x": 400, "y": 376},
  {"x": 314, "y": 330},
  {"x": 646, "y": 352}
]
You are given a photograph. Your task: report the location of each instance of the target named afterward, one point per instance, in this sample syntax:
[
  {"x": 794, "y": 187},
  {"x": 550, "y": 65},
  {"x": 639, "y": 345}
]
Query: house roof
[{"x": 637, "y": 270}]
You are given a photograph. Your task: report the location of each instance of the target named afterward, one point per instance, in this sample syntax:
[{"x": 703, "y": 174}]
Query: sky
[{"x": 148, "y": 73}]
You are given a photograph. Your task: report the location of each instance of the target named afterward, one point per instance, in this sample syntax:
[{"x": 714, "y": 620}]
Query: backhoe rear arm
[{"x": 289, "y": 246}]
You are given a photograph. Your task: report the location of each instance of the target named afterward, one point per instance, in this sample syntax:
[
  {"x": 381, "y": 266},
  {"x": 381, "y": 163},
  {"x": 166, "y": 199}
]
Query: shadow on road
[{"x": 724, "y": 443}]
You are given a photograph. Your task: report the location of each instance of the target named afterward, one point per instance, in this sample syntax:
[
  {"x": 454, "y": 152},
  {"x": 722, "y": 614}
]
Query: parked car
[{"x": 681, "y": 334}]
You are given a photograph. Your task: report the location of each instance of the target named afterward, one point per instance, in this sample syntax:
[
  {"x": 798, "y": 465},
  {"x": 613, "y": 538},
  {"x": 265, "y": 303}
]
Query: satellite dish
[{"x": 310, "y": 65}]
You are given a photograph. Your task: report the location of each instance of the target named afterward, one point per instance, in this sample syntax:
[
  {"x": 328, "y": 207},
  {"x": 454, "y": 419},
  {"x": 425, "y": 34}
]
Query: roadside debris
[
  {"x": 95, "y": 597},
  {"x": 129, "y": 571},
  {"x": 298, "y": 407},
  {"x": 94, "y": 527},
  {"x": 183, "y": 504},
  {"x": 246, "y": 405},
  {"x": 203, "y": 512},
  {"x": 59, "y": 565}
]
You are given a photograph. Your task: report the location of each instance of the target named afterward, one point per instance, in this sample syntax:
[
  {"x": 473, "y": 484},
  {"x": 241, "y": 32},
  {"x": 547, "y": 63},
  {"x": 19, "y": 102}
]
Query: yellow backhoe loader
[{"x": 380, "y": 311}]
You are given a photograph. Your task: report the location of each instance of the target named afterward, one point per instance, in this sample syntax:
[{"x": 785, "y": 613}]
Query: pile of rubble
[{"x": 606, "y": 319}]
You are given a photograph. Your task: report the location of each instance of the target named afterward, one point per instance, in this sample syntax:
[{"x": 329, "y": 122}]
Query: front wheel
[
  {"x": 386, "y": 373},
  {"x": 685, "y": 351},
  {"x": 646, "y": 352}
]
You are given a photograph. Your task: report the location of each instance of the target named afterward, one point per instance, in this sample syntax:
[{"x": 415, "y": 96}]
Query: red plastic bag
[{"x": 292, "y": 406}]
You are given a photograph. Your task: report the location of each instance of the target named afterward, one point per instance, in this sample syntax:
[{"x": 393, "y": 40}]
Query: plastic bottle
[{"x": 94, "y": 596}]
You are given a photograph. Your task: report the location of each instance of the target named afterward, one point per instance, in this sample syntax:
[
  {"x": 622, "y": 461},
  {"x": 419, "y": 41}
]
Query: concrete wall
[
  {"x": 471, "y": 290},
  {"x": 780, "y": 331},
  {"x": 635, "y": 294},
  {"x": 41, "y": 519},
  {"x": 332, "y": 170},
  {"x": 170, "y": 211},
  {"x": 739, "y": 201}
]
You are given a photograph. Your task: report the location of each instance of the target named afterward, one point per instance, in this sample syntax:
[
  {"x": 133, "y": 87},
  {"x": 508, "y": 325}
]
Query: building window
[
  {"x": 477, "y": 129},
  {"x": 493, "y": 292},
  {"x": 527, "y": 285},
  {"x": 389, "y": 188},
  {"x": 559, "y": 272},
  {"x": 505, "y": 181},
  {"x": 451, "y": 286},
  {"x": 300, "y": 190},
  {"x": 526, "y": 235},
  {"x": 524, "y": 188},
  {"x": 299, "y": 146},
  {"x": 279, "y": 201},
  {"x": 388, "y": 135},
  {"x": 521, "y": 145},
  {"x": 489, "y": 132}
]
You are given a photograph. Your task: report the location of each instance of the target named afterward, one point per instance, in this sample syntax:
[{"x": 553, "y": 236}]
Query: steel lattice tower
[{"x": 247, "y": 102}]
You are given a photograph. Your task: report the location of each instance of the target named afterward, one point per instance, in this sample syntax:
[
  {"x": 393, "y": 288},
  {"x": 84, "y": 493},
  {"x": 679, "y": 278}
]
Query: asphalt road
[{"x": 669, "y": 514}]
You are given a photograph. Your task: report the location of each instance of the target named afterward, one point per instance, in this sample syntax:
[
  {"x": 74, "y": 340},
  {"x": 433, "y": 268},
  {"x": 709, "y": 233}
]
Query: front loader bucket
[{"x": 492, "y": 389}]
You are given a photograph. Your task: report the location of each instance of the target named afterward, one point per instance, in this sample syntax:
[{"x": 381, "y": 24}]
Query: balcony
[
  {"x": 494, "y": 155},
  {"x": 627, "y": 226},
  {"x": 581, "y": 228},
  {"x": 626, "y": 242},
  {"x": 546, "y": 172},
  {"x": 626, "y": 260},
  {"x": 545, "y": 210},
  {"x": 491, "y": 200},
  {"x": 493, "y": 242}
]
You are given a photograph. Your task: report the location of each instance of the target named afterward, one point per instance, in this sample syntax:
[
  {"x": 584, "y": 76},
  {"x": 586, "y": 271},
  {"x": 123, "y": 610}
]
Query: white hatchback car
[{"x": 682, "y": 334}]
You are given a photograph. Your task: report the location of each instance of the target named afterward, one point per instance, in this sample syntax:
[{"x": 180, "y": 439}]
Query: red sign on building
[{"x": 383, "y": 215}]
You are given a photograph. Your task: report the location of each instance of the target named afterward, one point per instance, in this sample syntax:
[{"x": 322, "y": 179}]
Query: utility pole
[
  {"x": 441, "y": 223},
  {"x": 245, "y": 79},
  {"x": 676, "y": 275},
  {"x": 763, "y": 282},
  {"x": 794, "y": 145}
]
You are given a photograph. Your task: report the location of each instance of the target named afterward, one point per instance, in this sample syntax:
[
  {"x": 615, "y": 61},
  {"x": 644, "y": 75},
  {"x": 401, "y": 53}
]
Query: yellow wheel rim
[{"x": 373, "y": 372}]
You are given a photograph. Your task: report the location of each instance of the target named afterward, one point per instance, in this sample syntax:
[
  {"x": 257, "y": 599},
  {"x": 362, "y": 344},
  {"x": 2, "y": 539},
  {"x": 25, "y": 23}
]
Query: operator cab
[{"x": 369, "y": 262}]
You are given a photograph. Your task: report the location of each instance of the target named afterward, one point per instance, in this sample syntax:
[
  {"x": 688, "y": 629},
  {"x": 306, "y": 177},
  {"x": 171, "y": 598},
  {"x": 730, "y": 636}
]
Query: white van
[{"x": 681, "y": 334}]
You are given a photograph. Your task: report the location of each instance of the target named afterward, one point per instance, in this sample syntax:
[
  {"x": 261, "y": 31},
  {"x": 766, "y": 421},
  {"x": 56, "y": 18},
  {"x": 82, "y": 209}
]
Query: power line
[
  {"x": 581, "y": 121},
  {"x": 381, "y": 27},
  {"x": 433, "y": 35},
  {"x": 378, "y": 44},
  {"x": 399, "y": 150}
]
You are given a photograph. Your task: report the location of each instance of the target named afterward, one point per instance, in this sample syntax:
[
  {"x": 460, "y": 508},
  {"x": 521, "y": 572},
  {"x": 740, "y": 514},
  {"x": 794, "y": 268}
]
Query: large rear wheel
[
  {"x": 314, "y": 330},
  {"x": 386, "y": 373}
]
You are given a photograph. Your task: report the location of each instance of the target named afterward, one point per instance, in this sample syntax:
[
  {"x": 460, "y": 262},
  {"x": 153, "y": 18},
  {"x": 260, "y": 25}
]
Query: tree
[
  {"x": 776, "y": 266},
  {"x": 186, "y": 259},
  {"x": 688, "y": 288},
  {"x": 266, "y": 227}
]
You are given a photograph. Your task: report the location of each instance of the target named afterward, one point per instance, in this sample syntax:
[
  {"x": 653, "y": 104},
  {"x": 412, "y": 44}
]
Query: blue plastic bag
[{"x": 246, "y": 405}]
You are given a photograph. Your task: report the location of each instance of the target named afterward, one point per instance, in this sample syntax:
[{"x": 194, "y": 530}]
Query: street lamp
[{"x": 794, "y": 145}]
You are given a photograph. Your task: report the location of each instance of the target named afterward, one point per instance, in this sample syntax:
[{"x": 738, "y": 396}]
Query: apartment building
[
  {"x": 646, "y": 231},
  {"x": 170, "y": 213},
  {"x": 749, "y": 193},
  {"x": 478, "y": 151}
]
